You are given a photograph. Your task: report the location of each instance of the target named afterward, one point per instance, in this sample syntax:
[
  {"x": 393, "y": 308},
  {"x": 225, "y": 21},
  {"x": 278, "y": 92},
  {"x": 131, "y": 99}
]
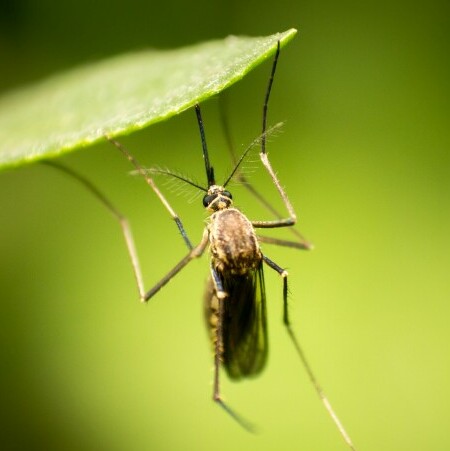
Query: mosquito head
[{"x": 217, "y": 198}]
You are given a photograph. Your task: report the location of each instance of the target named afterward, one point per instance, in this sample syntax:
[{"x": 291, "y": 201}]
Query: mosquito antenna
[
  {"x": 266, "y": 100},
  {"x": 254, "y": 143},
  {"x": 177, "y": 176},
  {"x": 208, "y": 167}
]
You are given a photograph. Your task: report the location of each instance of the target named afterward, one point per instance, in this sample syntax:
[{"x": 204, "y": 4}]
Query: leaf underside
[{"x": 121, "y": 94}]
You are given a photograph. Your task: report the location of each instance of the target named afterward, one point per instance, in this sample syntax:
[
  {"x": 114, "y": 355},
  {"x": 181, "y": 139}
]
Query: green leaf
[{"x": 121, "y": 94}]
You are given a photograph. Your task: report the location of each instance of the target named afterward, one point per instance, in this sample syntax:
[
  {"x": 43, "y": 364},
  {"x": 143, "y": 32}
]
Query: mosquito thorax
[{"x": 218, "y": 198}]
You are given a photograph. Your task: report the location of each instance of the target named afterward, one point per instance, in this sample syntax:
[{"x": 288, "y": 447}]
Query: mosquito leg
[
  {"x": 301, "y": 240},
  {"x": 221, "y": 296},
  {"x": 122, "y": 220},
  {"x": 128, "y": 235},
  {"x": 283, "y": 273},
  {"x": 196, "y": 252},
  {"x": 239, "y": 175},
  {"x": 304, "y": 245},
  {"x": 269, "y": 207},
  {"x": 153, "y": 186},
  {"x": 266, "y": 99},
  {"x": 286, "y": 222},
  {"x": 292, "y": 219}
]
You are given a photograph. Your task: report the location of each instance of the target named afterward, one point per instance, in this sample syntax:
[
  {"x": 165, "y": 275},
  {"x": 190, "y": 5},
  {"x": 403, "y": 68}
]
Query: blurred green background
[{"x": 365, "y": 159}]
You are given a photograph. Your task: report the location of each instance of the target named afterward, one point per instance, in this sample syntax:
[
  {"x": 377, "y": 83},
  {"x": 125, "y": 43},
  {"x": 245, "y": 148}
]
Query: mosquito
[{"x": 235, "y": 298}]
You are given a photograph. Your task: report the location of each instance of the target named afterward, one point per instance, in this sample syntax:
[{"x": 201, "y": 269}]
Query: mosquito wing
[{"x": 244, "y": 329}]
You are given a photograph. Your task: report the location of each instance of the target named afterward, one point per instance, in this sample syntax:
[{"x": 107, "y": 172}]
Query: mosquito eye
[
  {"x": 227, "y": 194},
  {"x": 207, "y": 199}
]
